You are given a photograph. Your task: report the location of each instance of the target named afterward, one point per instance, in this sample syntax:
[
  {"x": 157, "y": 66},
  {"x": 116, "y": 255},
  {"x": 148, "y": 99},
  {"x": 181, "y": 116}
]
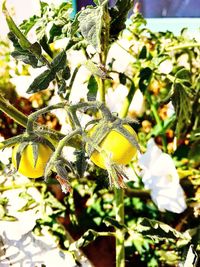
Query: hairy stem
[{"x": 12, "y": 112}]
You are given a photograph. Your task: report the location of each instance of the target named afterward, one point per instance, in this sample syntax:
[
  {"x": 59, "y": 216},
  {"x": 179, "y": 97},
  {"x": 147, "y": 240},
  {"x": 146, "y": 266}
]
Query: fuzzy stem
[
  {"x": 12, "y": 112},
  {"x": 26, "y": 185},
  {"x": 159, "y": 122},
  {"x": 101, "y": 89},
  {"x": 34, "y": 116},
  {"x": 119, "y": 215},
  {"x": 182, "y": 46}
]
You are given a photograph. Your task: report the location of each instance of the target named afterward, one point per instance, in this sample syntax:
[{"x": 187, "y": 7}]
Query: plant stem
[
  {"x": 159, "y": 122},
  {"x": 12, "y": 112},
  {"x": 119, "y": 215},
  {"x": 18, "y": 186},
  {"x": 101, "y": 89},
  {"x": 119, "y": 194},
  {"x": 182, "y": 46},
  {"x": 157, "y": 119}
]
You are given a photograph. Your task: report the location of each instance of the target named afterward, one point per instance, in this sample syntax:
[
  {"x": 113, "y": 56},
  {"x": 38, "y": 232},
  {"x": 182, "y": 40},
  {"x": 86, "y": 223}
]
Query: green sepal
[
  {"x": 35, "y": 152},
  {"x": 120, "y": 129},
  {"x": 62, "y": 168},
  {"x": 97, "y": 137},
  {"x": 20, "y": 150}
]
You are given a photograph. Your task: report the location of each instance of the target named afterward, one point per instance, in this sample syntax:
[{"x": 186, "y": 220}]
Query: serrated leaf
[
  {"x": 182, "y": 100},
  {"x": 20, "y": 149},
  {"x": 28, "y": 24},
  {"x": 90, "y": 24},
  {"x": 86, "y": 239},
  {"x": 35, "y": 153},
  {"x": 53, "y": 202},
  {"x": 112, "y": 222},
  {"x": 92, "y": 89},
  {"x": 160, "y": 230},
  {"x": 27, "y": 58},
  {"x": 41, "y": 82},
  {"x": 23, "y": 55},
  {"x": 59, "y": 62}
]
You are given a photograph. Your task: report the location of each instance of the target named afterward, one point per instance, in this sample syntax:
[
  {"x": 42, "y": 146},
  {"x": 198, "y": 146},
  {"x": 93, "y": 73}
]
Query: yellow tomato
[
  {"x": 26, "y": 166},
  {"x": 119, "y": 148}
]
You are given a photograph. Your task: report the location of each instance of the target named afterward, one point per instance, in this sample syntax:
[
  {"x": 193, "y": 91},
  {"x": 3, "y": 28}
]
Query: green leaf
[
  {"x": 143, "y": 53},
  {"x": 59, "y": 62},
  {"x": 182, "y": 100},
  {"x": 66, "y": 73},
  {"x": 86, "y": 239},
  {"x": 118, "y": 15},
  {"x": 90, "y": 24},
  {"x": 36, "y": 49},
  {"x": 53, "y": 202},
  {"x": 29, "y": 201},
  {"x": 24, "y": 43},
  {"x": 96, "y": 70},
  {"x": 112, "y": 222},
  {"x": 62, "y": 87},
  {"x": 28, "y": 24},
  {"x": 24, "y": 55},
  {"x": 92, "y": 89},
  {"x": 145, "y": 76},
  {"x": 160, "y": 231},
  {"x": 41, "y": 82}
]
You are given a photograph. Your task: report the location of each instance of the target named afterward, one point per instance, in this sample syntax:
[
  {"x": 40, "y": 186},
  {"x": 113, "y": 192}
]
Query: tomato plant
[{"x": 102, "y": 70}]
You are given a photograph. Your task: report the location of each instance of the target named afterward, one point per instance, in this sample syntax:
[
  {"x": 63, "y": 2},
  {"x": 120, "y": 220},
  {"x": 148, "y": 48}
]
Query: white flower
[
  {"x": 160, "y": 176},
  {"x": 121, "y": 56},
  {"x": 115, "y": 98},
  {"x": 166, "y": 66}
]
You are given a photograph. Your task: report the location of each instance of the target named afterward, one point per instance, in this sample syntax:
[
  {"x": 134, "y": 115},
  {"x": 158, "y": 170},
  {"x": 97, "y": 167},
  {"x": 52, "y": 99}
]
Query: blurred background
[{"x": 161, "y": 8}]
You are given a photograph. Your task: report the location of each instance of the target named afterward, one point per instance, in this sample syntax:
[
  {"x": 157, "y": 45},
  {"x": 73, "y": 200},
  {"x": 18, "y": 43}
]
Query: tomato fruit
[
  {"x": 120, "y": 149},
  {"x": 26, "y": 166}
]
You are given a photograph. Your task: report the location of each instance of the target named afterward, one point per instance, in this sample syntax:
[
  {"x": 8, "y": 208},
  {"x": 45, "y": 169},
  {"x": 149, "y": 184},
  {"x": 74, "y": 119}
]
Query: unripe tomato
[
  {"x": 116, "y": 145},
  {"x": 26, "y": 166}
]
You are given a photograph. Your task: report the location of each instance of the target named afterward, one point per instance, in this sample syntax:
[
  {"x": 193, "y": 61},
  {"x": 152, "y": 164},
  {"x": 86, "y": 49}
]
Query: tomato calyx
[
  {"x": 103, "y": 128},
  {"x": 103, "y": 150},
  {"x": 34, "y": 141}
]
